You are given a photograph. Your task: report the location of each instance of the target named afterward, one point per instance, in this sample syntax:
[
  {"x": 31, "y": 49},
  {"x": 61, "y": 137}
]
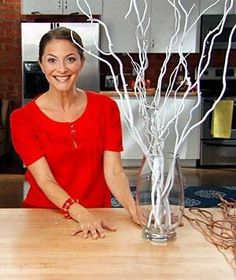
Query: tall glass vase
[{"x": 160, "y": 197}]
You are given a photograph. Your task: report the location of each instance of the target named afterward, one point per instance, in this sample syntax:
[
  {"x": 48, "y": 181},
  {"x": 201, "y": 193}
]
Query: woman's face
[{"x": 61, "y": 64}]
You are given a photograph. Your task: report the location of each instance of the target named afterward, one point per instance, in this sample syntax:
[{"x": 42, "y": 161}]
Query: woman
[{"x": 70, "y": 141}]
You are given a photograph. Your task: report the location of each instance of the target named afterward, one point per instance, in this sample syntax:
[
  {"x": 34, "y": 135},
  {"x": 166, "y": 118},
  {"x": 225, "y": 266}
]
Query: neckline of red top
[{"x": 44, "y": 116}]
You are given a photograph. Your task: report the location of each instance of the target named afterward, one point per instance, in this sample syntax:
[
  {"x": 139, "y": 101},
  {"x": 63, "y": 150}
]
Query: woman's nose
[{"x": 61, "y": 66}]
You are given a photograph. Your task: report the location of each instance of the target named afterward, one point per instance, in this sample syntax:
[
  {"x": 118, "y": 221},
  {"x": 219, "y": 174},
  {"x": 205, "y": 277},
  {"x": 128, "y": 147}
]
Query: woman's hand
[
  {"x": 90, "y": 224},
  {"x": 136, "y": 220},
  {"x": 134, "y": 215}
]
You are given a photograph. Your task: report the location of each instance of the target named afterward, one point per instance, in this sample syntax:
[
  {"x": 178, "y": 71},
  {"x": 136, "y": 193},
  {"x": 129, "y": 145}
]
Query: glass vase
[{"x": 160, "y": 197}]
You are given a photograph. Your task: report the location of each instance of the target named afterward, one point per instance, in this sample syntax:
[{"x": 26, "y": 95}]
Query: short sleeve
[
  {"x": 113, "y": 130},
  {"x": 24, "y": 138}
]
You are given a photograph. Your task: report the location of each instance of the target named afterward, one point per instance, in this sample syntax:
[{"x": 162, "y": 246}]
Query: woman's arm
[
  {"x": 88, "y": 223},
  {"x": 118, "y": 182},
  {"x": 46, "y": 181}
]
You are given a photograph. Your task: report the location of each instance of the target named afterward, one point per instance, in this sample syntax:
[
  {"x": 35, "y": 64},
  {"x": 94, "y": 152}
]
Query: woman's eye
[
  {"x": 71, "y": 59},
  {"x": 51, "y": 60}
]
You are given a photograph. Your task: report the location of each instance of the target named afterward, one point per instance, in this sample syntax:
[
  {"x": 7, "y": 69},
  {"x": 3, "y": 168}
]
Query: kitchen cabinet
[
  {"x": 190, "y": 150},
  {"x": 132, "y": 153},
  {"x": 161, "y": 15},
  {"x": 42, "y": 7},
  {"x": 162, "y": 26},
  {"x": 95, "y": 6},
  {"x": 217, "y": 9},
  {"x": 65, "y": 7},
  {"x": 121, "y": 30}
]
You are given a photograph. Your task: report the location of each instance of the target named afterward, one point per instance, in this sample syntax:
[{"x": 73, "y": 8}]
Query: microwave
[{"x": 209, "y": 22}]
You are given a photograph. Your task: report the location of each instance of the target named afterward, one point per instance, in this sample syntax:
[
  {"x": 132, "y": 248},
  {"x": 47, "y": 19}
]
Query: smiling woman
[
  {"x": 74, "y": 140},
  {"x": 61, "y": 68}
]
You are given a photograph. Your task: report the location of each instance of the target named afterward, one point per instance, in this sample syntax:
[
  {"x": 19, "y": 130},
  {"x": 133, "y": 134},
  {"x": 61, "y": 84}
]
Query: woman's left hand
[
  {"x": 134, "y": 215},
  {"x": 136, "y": 220}
]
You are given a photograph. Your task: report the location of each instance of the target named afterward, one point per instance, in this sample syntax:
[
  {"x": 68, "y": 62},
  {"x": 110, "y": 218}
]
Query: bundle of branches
[
  {"x": 221, "y": 232},
  {"x": 153, "y": 113}
]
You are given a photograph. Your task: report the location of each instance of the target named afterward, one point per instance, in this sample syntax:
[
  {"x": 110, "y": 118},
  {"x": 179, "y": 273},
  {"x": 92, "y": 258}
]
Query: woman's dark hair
[{"x": 60, "y": 33}]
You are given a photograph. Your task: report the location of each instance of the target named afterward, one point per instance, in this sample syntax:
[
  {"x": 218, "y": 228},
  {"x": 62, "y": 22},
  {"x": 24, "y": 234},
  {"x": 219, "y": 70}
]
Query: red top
[{"x": 74, "y": 150}]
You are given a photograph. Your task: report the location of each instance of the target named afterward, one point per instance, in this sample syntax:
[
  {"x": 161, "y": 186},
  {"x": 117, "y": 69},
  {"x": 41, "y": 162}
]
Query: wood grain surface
[{"x": 37, "y": 244}]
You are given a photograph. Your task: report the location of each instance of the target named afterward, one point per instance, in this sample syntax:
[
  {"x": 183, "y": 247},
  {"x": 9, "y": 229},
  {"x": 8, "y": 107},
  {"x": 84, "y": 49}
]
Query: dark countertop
[{"x": 150, "y": 92}]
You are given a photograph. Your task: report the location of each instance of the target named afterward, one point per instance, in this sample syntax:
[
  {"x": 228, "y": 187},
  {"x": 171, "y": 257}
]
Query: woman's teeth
[{"x": 61, "y": 79}]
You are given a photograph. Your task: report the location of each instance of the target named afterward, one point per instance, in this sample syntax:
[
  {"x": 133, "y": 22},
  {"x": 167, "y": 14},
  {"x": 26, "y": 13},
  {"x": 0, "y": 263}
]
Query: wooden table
[{"x": 37, "y": 244}]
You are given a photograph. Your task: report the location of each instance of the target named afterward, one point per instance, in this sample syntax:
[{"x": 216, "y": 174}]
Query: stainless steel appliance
[
  {"x": 209, "y": 22},
  {"x": 33, "y": 79},
  {"x": 217, "y": 151}
]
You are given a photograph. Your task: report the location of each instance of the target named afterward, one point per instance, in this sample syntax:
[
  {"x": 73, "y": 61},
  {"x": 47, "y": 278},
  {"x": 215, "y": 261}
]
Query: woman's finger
[
  {"x": 136, "y": 220},
  {"x": 85, "y": 233},
  {"x": 82, "y": 230},
  {"x": 108, "y": 225},
  {"x": 100, "y": 231},
  {"x": 77, "y": 230},
  {"x": 93, "y": 232}
]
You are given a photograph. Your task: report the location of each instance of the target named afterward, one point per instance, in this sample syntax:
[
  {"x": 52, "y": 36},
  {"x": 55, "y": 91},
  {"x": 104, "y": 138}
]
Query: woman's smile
[{"x": 62, "y": 79}]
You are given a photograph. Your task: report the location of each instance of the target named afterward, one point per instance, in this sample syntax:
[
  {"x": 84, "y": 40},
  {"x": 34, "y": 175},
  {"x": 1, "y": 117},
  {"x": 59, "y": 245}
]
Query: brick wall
[{"x": 10, "y": 50}]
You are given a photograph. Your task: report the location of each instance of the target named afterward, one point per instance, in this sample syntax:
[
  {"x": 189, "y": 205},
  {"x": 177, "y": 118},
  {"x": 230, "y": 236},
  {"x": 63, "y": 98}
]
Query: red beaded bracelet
[{"x": 66, "y": 206}]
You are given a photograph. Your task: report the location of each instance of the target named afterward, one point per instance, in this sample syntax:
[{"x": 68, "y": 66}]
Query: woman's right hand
[{"x": 89, "y": 224}]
